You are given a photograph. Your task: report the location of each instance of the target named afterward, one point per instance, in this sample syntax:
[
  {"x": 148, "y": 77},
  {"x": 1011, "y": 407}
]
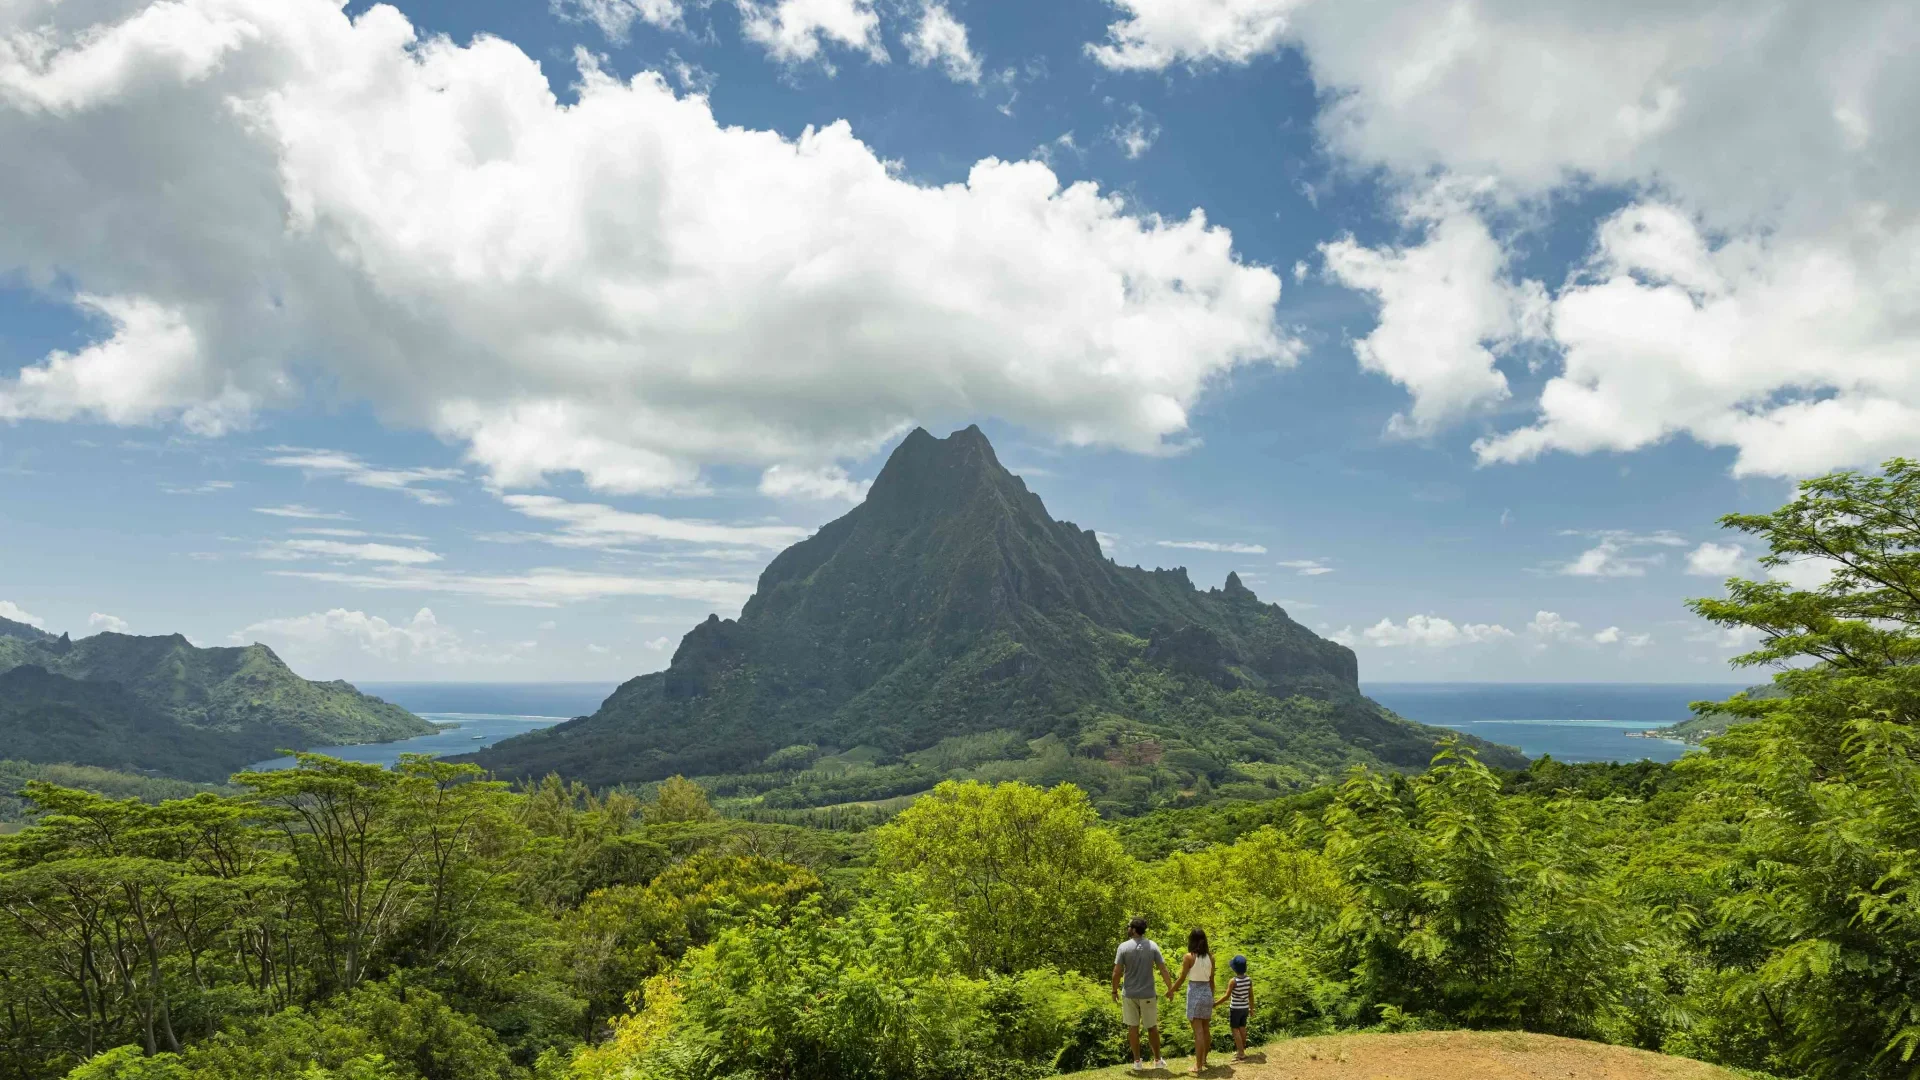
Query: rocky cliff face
[{"x": 951, "y": 602}]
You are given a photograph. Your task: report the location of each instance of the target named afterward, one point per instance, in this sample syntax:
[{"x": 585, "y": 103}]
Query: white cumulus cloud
[
  {"x": 794, "y": 31},
  {"x": 1137, "y": 134},
  {"x": 13, "y": 612},
  {"x": 1446, "y": 314},
  {"x": 1620, "y": 554},
  {"x": 1433, "y": 632},
  {"x": 339, "y": 636},
  {"x": 1156, "y": 33},
  {"x": 1743, "y": 298},
  {"x": 112, "y": 624},
  {"x": 615, "y": 18},
  {"x": 318, "y": 200},
  {"x": 828, "y": 483},
  {"x": 1716, "y": 560},
  {"x": 1551, "y": 626},
  {"x": 940, "y": 39}
]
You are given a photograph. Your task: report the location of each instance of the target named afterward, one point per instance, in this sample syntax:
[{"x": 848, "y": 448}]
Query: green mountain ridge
[
  {"x": 23, "y": 632},
  {"x": 164, "y": 704},
  {"x": 51, "y": 718},
  {"x": 950, "y": 606}
]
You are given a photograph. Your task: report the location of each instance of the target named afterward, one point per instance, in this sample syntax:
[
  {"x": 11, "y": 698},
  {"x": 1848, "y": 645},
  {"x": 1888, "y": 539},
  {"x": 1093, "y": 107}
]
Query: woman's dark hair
[{"x": 1197, "y": 942}]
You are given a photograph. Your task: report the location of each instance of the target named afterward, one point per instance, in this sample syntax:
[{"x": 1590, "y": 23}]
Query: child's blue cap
[{"x": 1240, "y": 964}]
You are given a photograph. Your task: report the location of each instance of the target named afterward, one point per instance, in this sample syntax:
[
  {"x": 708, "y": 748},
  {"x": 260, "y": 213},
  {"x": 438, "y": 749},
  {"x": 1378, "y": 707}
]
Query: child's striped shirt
[{"x": 1240, "y": 992}]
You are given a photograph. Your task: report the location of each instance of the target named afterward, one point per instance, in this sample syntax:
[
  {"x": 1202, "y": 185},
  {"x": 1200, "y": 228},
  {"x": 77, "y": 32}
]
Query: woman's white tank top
[{"x": 1202, "y": 970}]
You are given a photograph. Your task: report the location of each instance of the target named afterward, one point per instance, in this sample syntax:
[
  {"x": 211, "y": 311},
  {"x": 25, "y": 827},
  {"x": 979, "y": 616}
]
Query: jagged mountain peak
[
  {"x": 951, "y": 603},
  {"x": 925, "y": 474}
]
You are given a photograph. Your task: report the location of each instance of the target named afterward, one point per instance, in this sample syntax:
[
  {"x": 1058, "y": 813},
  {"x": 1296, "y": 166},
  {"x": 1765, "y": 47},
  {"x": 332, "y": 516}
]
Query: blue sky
[{"x": 331, "y": 329}]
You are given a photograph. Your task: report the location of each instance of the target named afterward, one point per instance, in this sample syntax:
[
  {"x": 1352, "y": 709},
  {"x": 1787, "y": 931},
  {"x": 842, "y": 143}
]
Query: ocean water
[
  {"x": 1570, "y": 721},
  {"x": 483, "y": 714}
]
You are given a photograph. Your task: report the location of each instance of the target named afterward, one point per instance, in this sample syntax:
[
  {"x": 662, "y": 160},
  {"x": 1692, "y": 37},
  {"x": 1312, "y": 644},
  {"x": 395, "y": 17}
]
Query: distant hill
[
  {"x": 166, "y": 705},
  {"x": 50, "y": 718},
  {"x": 949, "y": 621},
  {"x": 1703, "y": 726}
]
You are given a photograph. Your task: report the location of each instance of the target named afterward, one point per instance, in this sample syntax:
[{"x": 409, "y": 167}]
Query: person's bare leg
[
  {"x": 1153, "y": 1040},
  {"x": 1133, "y": 1040},
  {"x": 1199, "y": 1047},
  {"x": 1239, "y": 1042}
]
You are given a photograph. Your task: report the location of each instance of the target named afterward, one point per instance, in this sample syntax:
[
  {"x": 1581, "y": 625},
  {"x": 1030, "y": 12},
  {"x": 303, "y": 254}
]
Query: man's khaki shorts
[{"x": 1140, "y": 1012}]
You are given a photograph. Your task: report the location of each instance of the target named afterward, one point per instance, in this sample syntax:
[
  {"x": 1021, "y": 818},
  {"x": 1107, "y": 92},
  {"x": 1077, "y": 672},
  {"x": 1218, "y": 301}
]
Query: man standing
[{"x": 1133, "y": 968}]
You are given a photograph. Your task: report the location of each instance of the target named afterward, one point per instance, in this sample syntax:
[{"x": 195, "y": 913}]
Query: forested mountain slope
[
  {"x": 950, "y": 604},
  {"x": 50, "y": 718},
  {"x": 158, "y": 703}
]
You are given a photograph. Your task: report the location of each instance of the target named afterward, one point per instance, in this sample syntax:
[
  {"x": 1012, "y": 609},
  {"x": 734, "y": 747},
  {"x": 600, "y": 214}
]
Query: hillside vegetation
[{"x": 948, "y": 627}]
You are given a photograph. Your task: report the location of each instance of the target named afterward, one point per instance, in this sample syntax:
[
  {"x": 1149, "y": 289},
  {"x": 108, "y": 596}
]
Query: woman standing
[{"x": 1197, "y": 972}]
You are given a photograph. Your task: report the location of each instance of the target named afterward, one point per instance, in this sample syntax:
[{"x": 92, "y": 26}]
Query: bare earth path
[{"x": 1440, "y": 1055}]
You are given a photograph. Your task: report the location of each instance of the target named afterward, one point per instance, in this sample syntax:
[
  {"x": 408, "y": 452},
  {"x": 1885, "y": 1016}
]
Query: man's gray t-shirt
[{"x": 1138, "y": 959}]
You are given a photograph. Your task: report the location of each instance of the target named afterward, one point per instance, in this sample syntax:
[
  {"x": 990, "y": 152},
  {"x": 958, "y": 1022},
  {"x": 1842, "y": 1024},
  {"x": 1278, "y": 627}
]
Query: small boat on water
[{"x": 479, "y": 736}]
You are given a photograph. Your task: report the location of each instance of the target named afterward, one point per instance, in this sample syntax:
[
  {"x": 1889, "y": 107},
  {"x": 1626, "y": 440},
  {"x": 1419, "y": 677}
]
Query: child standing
[{"x": 1239, "y": 1004}]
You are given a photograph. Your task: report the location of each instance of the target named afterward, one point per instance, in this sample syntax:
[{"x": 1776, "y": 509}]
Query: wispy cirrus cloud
[
  {"x": 596, "y": 525},
  {"x": 541, "y": 587},
  {"x": 210, "y": 487},
  {"x": 1214, "y": 545},
  {"x": 1306, "y": 567},
  {"x": 288, "y": 550},
  {"x": 350, "y": 468},
  {"x": 357, "y": 534},
  {"x": 1618, "y": 553},
  {"x": 300, "y": 512}
]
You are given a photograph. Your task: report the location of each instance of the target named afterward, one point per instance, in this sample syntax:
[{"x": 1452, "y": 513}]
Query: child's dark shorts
[{"x": 1237, "y": 1018}]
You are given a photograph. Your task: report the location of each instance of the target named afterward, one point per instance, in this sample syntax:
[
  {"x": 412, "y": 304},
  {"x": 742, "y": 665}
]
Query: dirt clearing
[{"x": 1439, "y": 1055}]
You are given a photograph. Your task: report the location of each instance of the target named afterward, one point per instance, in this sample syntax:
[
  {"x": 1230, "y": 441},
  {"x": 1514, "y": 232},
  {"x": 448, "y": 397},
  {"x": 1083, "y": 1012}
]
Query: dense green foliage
[
  {"x": 949, "y": 628},
  {"x": 165, "y": 705},
  {"x": 16, "y": 775},
  {"x": 1753, "y": 905}
]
